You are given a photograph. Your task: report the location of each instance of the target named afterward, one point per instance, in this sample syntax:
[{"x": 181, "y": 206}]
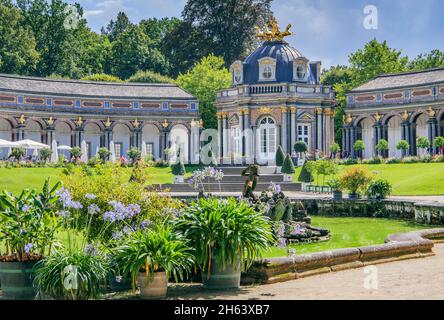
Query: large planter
[
  {"x": 16, "y": 280},
  {"x": 153, "y": 287},
  {"x": 278, "y": 169},
  {"x": 288, "y": 177},
  {"x": 222, "y": 278},
  {"x": 337, "y": 195}
]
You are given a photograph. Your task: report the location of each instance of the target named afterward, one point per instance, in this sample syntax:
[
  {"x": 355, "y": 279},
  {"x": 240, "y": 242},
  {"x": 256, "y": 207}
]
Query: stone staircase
[{"x": 234, "y": 182}]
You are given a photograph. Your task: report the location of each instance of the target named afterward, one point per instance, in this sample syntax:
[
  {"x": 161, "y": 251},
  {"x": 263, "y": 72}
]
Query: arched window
[
  {"x": 300, "y": 71},
  {"x": 268, "y": 72},
  {"x": 267, "y": 139},
  {"x": 237, "y": 76}
]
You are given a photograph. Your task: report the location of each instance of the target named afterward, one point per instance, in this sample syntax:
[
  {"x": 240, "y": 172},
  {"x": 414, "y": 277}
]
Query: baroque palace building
[
  {"x": 276, "y": 99},
  {"x": 72, "y": 112},
  {"x": 395, "y": 107}
]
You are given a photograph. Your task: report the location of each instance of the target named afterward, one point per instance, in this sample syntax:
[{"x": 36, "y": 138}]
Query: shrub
[
  {"x": 438, "y": 159},
  {"x": 288, "y": 166},
  {"x": 139, "y": 173},
  {"x": 403, "y": 146},
  {"x": 350, "y": 162},
  {"x": 382, "y": 146},
  {"x": 101, "y": 77},
  {"x": 393, "y": 161},
  {"x": 224, "y": 231},
  {"x": 76, "y": 152},
  {"x": 104, "y": 154},
  {"x": 305, "y": 176},
  {"x": 326, "y": 168},
  {"x": 359, "y": 146},
  {"x": 334, "y": 184},
  {"x": 178, "y": 169},
  {"x": 411, "y": 160},
  {"x": 375, "y": 160},
  {"x": 439, "y": 143},
  {"x": 45, "y": 154},
  {"x": 149, "y": 77},
  {"x": 379, "y": 189},
  {"x": 280, "y": 157},
  {"x": 18, "y": 153},
  {"x": 423, "y": 143},
  {"x": 300, "y": 147},
  {"x": 356, "y": 179},
  {"x": 335, "y": 148},
  {"x": 134, "y": 154}
]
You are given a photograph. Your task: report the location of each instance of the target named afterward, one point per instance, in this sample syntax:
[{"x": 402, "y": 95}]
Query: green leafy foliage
[
  {"x": 403, "y": 145},
  {"x": 288, "y": 166},
  {"x": 157, "y": 250},
  {"x": 382, "y": 146},
  {"x": 224, "y": 230},
  {"x": 439, "y": 143},
  {"x": 76, "y": 152},
  {"x": 134, "y": 154},
  {"x": 45, "y": 154},
  {"x": 305, "y": 175},
  {"x": 101, "y": 77},
  {"x": 359, "y": 146},
  {"x": 423, "y": 143},
  {"x": 379, "y": 189},
  {"x": 104, "y": 154},
  {"x": 203, "y": 81},
  {"x": 91, "y": 271},
  {"x": 149, "y": 77},
  {"x": 28, "y": 223},
  {"x": 300, "y": 147},
  {"x": 335, "y": 148},
  {"x": 18, "y": 153},
  {"x": 356, "y": 179},
  {"x": 178, "y": 169},
  {"x": 280, "y": 156}
]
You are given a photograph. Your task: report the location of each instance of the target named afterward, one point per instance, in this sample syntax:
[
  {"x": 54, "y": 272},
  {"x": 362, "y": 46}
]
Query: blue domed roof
[{"x": 284, "y": 55}]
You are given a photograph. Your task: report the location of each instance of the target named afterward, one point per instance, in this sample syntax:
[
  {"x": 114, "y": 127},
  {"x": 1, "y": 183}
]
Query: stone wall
[{"x": 420, "y": 212}]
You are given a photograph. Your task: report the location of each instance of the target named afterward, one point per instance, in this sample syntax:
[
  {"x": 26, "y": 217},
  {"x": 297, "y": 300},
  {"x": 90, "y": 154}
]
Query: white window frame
[
  {"x": 265, "y": 63},
  {"x": 237, "y": 67},
  {"x": 304, "y": 133},
  {"x": 267, "y": 131},
  {"x": 304, "y": 63}
]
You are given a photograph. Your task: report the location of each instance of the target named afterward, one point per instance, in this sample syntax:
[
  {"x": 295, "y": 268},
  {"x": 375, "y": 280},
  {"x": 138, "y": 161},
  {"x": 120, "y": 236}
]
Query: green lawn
[
  {"x": 418, "y": 179},
  {"x": 350, "y": 233}
]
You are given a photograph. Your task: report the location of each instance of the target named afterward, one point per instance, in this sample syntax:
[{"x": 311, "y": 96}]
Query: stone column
[
  {"x": 413, "y": 149},
  {"x": 50, "y": 136},
  {"x": 20, "y": 133},
  {"x": 284, "y": 129},
  {"x": 319, "y": 131},
  {"x": 432, "y": 133},
  {"x": 220, "y": 132},
  {"x": 78, "y": 137},
  {"x": 253, "y": 148},
  {"x": 108, "y": 137},
  {"x": 164, "y": 144},
  {"x": 293, "y": 129},
  {"x": 406, "y": 135},
  {"x": 226, "y": 137},
  {"x": 352, "y": 141},
  {"x": 344, "y": 147},
  {"x": 327, "y": 129},
  {"x": 249, "y": 155}
]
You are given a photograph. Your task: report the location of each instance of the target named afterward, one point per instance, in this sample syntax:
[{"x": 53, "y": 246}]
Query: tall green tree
[
  {"x": 433, "y": 59},
  {"x": 17, "y": 44},
  {"x": 206, "y": 77},
  {"x": 115, "y": 28},
  {"x": 132, "y": 51}
]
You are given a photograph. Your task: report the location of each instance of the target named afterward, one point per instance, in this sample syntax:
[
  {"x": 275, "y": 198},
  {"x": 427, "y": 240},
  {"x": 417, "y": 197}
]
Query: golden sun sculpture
[{"x": 272, "y": 32}]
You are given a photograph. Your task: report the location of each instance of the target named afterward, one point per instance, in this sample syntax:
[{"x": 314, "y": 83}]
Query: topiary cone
[{"x": 288, "y": 166}]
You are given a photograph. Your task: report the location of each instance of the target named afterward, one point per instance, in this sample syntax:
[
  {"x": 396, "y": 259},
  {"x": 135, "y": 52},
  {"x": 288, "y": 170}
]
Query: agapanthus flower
[
  {"x": 63, "y": 214},
  {"x": 26, "y": 208},
  {"x": 90, "y": 196},
  {"x": 297, "y": 230},
  {"x": 66, "y": 200},
  {"x": 282, "y": 243},
  {"x": 91, "y": 250},
  {"x": 109, "y": 216},
  {"x": 145, "y": 224},
  {"x": 132, "y": 210},
  {"x": 219, "y": 175},
  {"x": 117, "y": 235},
  {"x": 28, "y": 248},
  {"x": 93, "y": 209},
  {"x": 24, "y": 232}
]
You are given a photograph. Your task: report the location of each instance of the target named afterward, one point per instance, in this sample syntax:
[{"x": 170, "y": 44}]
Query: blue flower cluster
[
  {"x": 28, "y": 248},
  {"x": 121, "y": 212},
  {"x": 66, "y": 200}
]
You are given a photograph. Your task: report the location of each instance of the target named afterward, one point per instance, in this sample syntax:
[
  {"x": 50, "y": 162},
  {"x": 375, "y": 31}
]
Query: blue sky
[{"x": 326, "y": 30}]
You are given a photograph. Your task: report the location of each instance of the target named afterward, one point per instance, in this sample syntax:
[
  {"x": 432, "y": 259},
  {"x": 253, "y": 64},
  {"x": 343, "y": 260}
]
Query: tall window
[
  {"x": 304, "y": 133},
  {"x": 267, "y": 131},
  {"x": 300, "y": 71},
  {"x": 118, "y": 149},
  {"x": 149, "y": 150},
  {"x": 237, "y": 76},
  {"x": 236, "y": 134}
]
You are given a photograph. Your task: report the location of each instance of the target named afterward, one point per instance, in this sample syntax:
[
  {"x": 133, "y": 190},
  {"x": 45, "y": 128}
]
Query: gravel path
[{"x": 410, "y": 279}]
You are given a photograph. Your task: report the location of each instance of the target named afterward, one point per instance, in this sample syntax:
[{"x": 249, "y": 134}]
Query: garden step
[
  {"x": 238, "y": 170},
  {"x": 264, "y": 179},
  {"x": 227, "y": 187}
]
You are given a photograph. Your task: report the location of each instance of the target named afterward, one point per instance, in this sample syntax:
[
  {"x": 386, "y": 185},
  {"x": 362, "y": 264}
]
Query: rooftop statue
[{"x": 272, "y": 32}]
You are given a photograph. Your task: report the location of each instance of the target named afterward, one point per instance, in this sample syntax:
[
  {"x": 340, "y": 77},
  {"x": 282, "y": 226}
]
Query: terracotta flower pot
[{"x": 153, "y": 287}]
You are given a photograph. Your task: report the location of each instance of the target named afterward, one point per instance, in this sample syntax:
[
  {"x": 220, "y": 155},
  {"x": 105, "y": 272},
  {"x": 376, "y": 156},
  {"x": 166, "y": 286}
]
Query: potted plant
[
  {"x": 27, "y": 228},
  {"x": 228, "y": 235},
  {"x": 300, "y": 148},
  {"x": 305, "y": 177},
  {"x": 379, "y": 190},
  {"x": 336, "y": 188},
  {"x": 151, "y": 256},
  {"x": 280, "y": 157},
  {"x": 288, "y": 169},
  {"x": 134, "y": 154},
  {"x": 45, "y": 155},
  {"x": 178, "y": 170},
  {"x": 104, "y": 155},
  {"x": 403, "y": 146},
  {"x": 355, "y": 180}
]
